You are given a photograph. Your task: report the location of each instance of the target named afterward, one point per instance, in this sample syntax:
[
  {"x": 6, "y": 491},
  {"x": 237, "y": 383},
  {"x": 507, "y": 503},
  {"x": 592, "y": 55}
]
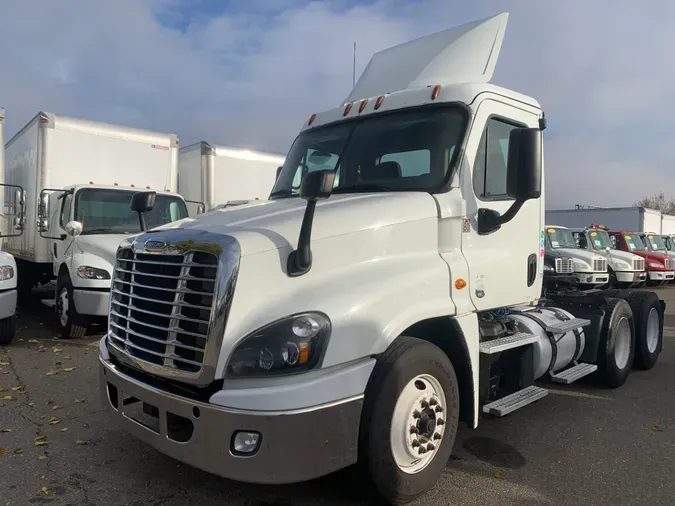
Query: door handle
[{"x": 531, "y": 269}]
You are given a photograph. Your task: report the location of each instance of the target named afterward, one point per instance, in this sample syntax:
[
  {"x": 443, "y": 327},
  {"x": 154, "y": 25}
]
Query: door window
[
  {"x": 489, "y": 173},
  {"x": 65, "y": 210}
]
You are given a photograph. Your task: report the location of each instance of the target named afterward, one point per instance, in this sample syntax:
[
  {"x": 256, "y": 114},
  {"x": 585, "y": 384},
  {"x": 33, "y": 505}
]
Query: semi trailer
[
  {"x": 218, "y": 175},
  {"x": 638, "y": 219},
  {"x": 589, "y": 267},
  {"x": 79, "y": 176},
  {"x": 626, "y": 270},
  {"x": 402, "y": 290},
  {"x": 660, "y": 267}
]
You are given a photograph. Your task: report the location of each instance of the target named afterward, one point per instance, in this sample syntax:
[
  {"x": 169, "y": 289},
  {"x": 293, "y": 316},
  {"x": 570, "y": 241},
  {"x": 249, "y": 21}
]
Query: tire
[
  {"x": 648, "y": 316},
  {"x": 392, "y": 396},
  {"x": 73, "y": 325},
  {"x": 7, "y": 329},
  {"x": 617, "y": 343}
]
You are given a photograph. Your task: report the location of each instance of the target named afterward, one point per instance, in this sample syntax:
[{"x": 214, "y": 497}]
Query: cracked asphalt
[{"x": 580, "y": 445}]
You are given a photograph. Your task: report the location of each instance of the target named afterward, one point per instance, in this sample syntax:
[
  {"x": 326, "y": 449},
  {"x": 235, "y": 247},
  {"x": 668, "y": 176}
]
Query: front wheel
[
  {"x": 73, "y": 324},
  {"x": 409, "y": 420}
]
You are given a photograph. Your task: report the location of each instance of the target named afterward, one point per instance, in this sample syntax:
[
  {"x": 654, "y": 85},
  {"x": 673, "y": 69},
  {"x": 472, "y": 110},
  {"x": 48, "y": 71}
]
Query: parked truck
[
  {"x": 216, "y": 175},
  {"x": 626, "y": 270},
  {"x": 660, "y": 267},
  {"x": 401, "y": 290},
  {"x": 11, "y": 202},
  {"x": 589, "y": 267},
  {"x": 79, "y": 177}
]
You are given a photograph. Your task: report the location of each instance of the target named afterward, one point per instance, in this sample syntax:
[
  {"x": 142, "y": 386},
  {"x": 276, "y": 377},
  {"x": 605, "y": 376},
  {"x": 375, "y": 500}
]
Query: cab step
[
  {"x": 566, "y": 325},
  {"x": 48, "y": 302},
  {"x": 506, "y": 343},
  {"x": 515, "y": 401},
  {"x": 573, "y": 373}
]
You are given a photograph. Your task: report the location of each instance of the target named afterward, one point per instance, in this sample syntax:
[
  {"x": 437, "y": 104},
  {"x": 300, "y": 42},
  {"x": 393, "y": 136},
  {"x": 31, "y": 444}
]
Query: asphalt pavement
[{"x": 580, "y": 445}]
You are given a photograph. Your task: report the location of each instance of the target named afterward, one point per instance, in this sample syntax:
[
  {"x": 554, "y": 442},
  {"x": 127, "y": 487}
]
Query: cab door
[
  {"x": 505, "y": 266},
  {"x": 62, "y": 249}
]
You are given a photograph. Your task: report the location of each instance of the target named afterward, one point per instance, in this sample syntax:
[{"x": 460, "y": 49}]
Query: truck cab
[
  {"x": 669, "y": 242},
  {"x": 656, "y": 243},
  {"x": 84, "y": 233},
  {"x": 626, "y": 270},
  {"x": 660, "y": 267},
  {"x": 590, "y": 268},
  {"x": 558, "y": 272}
]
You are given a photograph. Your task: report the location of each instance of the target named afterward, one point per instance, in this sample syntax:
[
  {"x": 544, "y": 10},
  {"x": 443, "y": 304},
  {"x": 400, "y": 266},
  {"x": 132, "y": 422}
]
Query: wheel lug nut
[
  {"x": 430, "y": 447},
  {"x": 424, "y": 403},
  {"x": 437, "y": 436},
  {"x": 422, "y": 449},
  {"x": 439, "y": 409},
  {"x": 415, "y": 443},
  {"x": 433, "y": 402},
  {"x": 416, "y": 414},
  {"x": 440, "y": 421},
  {"x": 414, "y": 430}
]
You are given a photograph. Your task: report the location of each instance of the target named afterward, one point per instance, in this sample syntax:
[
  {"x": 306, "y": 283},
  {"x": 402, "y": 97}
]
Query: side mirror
[
  {"x": 201, "y": 208},
  {"x": 317, "y": 185},
  {"x": 523, "y": 168},
  {"x": 142, "y": 202},
  {"x": 73, "y": 228},
  {"x": 43, "y": 213},
  {"x": 278, "y": 172},
  {"x": 19, "y": 202}
]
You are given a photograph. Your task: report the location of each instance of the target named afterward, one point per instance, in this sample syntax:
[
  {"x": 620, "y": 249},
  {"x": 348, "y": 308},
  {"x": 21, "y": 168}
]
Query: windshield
[
  {"x": 634, "y": 243},
  {"x": 600, "y": 240},
  {"x": 561, "y": 238},
  {"x": 656, "y": 242},
  {"x": 401, "y": 151},
  {"x": 104, "y": 211}
]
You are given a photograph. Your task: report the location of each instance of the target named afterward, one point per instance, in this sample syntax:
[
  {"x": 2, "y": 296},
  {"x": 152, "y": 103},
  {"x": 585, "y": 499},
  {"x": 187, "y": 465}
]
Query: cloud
[{"x": 252, "y": 73}]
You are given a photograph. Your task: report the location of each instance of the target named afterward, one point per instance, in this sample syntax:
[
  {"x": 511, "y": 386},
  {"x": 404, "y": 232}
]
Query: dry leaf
[
  {"x": 18, "y": 451},
  {"x": 42, "y": 457},
  {"x": 43, "y": 476},
  {"x": 41, "y": 443},
  {"x": 54, "y": 422},
  {"x": 67, "y": 357},
  {"x": 69, "y": 369},
  {"x": 79, "y": 401},
  {"x": 45, "y": 490},
  {"x": 57, "y": 350},
  {"x": 498, "y": 474},
  {"x": 2, "y": 451},
  {"x": 8, "y": 398},
  {"x": 65, "y": 429},
  {"x": 5, "y": 430},
  {"x": 5, "y": 372},
  {"x": 21, "y": 340},
  {"x": 4, "y": 363},
  {"x": 49, "y": 401},
  {"x": 20, "y": 388},
  {"x": 33, "y": 341},
  {"x": 80, "y": 442},
  {"x": 40, "y": 437},
  {"x": 34, "y": 367},
  {"x": 656, "y": 428},
  {"x": 2, "y": 389},
  {"x": 52, "y": 373},
  {"x": 57, "y": 407},
  {"x": 52, "y": 418},
  {"x": 31, "y": 404}
]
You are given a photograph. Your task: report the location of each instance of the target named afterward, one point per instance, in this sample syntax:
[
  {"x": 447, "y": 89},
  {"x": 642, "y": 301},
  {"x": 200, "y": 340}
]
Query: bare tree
[{"x": 658, "y": 201}]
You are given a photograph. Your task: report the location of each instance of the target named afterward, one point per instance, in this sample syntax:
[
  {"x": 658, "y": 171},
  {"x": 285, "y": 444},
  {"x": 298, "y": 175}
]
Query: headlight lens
[
  {"x": 656, "y": 265},
  {"x": 580, "y": 266},
  {"x": 84, "y": 271},
  {"x": 6, "y": 272},
  {"x": 291, "y": 345},
  {"x": 622, "y": 265},
  {"x": 548, "y": 268}
]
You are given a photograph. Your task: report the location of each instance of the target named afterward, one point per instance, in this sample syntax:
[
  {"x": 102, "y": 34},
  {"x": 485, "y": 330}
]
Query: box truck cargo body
[
  {"x": 215, "y": 174},
  {"x": 635, "y": 219},
  {"x": 76, "y": 171}
]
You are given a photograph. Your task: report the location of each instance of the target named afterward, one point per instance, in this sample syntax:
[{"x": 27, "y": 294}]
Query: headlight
[
  {"x": 6, "y": 272},
  {"x": 548, "y": 268},
  {"x": 656, "y": 265},
  {"x": 622, "y": 265},
  {"x": 581, "y": 266},
  {"x": 84, "y": 271},
  {"x": 291, "y": 345}
]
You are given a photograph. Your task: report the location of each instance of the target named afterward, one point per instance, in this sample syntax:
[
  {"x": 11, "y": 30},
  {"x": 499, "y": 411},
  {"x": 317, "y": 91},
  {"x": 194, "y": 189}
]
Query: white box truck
[
  {"x": 360, "y": 317},
  {"x": 11, "y": 201},
  {"x": 215, "y": 175},
  {"x": 635, "y": 219},
  {"x": 79, "y": 171}
]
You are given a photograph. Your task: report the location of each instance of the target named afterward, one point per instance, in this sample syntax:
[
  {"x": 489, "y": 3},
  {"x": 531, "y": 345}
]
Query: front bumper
[
  {"x": 661, "y": 275},
  {"x": 295, "y": 445},
  {"x": 91, "y": 302},
  {"x": 630, "y": 276},
  {"x": 7, "y": 304},
  {"x": 592, "y": 278}
]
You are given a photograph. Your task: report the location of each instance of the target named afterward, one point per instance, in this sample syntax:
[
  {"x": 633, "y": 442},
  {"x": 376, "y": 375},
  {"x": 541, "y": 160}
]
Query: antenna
[{"x": 354, "y": 67}]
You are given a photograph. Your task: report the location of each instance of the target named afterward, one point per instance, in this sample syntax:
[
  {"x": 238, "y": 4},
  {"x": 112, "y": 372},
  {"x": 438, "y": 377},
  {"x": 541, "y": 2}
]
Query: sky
[{"x": 249, "y": 72}]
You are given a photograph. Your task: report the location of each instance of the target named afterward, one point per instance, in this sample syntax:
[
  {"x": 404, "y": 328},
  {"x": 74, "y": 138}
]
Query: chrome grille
[
  {"x": 638, "y": 264},
  {"x": 564, "y": 266},
  {"x": 599, "y": 265},
  {"x": 670, "y": 264},
  {"x": 169, "y": 306}
]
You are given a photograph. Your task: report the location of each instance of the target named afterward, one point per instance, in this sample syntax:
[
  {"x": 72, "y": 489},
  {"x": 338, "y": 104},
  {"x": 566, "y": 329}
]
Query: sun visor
[{"x": 466, "y": 53}]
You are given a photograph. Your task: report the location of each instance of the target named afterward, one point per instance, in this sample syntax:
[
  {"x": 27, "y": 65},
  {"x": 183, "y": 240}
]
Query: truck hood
[
  {"x": 624, "y": 256},
  {"x": 100, "y": 245},
  {"x": 579, "y": 254},
  {"x": 275, "y": 224}
]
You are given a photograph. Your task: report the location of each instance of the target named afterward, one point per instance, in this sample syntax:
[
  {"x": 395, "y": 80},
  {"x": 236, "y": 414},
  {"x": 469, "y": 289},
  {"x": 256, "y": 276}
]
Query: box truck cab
[
  {"x": 359, "y": 317},
  {"x": 626, "y": 270},
  {"x": 590, "y": 268},
  {"x": 655, "y": 243},
  {"x": 660, "y": 267}
]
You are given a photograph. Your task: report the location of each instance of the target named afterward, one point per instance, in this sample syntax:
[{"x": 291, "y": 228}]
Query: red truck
[{"x": 660, "y": 267}]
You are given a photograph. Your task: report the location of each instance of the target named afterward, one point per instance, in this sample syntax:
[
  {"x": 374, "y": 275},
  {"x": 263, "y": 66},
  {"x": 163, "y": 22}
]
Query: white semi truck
[
  {"x": 79, "y": 177},
  {"x": 359, "y": 317},
  {"x": 11, "y": 202},
  {"x": 217, "y": 175},
  {"x": 590, "y": 267}
]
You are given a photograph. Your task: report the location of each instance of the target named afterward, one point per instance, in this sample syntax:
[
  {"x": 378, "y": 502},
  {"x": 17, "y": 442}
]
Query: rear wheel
[
  {"x": 73, "y": 325},
  {"x": 617, "y": 343},
  {"x": 648, "y": 316},
  {"x": 409, "y": 420}
]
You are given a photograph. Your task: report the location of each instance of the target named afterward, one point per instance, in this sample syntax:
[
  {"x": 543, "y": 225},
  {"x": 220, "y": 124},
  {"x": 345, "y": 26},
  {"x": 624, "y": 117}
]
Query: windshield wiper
[
  {"x": 357, "y": 187},
  {"x": 283, "y": 193},
  {"x": 101, "y": 230}
]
